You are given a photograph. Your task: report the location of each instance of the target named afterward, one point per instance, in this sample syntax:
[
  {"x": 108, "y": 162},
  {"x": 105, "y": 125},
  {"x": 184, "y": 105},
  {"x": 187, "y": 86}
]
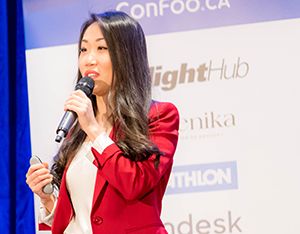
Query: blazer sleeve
[{"x": 135, "y": 179}]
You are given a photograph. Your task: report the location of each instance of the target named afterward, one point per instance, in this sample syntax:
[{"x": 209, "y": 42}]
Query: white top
[{"x": 80, "y": 178}]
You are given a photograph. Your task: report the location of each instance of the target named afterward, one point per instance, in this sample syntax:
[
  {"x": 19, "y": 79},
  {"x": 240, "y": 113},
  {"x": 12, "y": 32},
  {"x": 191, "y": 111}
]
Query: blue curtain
[{"x": 16, "y": 199}]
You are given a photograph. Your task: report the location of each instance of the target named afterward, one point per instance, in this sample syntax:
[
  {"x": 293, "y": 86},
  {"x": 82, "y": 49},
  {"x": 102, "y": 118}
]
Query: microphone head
[{"x": 86, "y": 84}]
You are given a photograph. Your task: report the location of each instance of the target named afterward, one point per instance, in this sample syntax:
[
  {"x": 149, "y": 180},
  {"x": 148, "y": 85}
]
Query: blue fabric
[{"x": 16, "y": 199}]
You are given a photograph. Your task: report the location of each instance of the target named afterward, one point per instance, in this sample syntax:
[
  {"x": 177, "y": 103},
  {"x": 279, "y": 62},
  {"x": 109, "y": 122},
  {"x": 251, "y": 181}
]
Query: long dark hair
[{"x": 131, "y": 97}]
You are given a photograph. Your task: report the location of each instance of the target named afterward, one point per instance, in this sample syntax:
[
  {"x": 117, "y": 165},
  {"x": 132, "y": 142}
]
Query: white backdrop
[{"x": 237, "y": 91}]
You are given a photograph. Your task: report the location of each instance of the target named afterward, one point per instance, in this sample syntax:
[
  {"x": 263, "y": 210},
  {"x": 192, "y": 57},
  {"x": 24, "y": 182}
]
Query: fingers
[
  {"x": 77, "y": 101},
  {"x": 39, "y": 171},
  {"x": 38, "y": 176},
  {"x": 37, "y": 188},
  {"x": 33, "y": 168},
  {"x": 78, "y": 95},
  {"x": 74, "y": 105}
]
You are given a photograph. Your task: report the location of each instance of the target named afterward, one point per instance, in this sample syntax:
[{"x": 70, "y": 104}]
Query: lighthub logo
[
  {"x": 206, "y": 72},
  {"x": 177, "y": 7},
  {"x": 203, "y": 178}
]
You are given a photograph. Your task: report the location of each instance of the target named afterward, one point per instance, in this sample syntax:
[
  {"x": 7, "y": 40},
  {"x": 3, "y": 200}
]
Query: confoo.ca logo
[
  {"x": 205, "y": 72},
  {"x": 203, "y": 178},
  {"x": 226, "y": 223},
  {"x": 161, "y": 7},
  {"x": 207, "y": 124}
]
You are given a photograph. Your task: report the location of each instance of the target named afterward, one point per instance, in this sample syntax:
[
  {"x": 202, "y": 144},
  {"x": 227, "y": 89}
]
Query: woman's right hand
[{"x": 37, "y": 176}]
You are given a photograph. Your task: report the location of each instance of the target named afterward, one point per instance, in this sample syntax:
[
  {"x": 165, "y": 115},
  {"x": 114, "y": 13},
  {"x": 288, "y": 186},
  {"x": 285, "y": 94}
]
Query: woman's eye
[
  {"x": 102, "y": 48},
  {"x": 82, "y": 49}
]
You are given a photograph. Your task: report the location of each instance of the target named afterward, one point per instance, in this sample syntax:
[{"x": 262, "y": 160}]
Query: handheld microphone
[{"x": 85, "y": 84}]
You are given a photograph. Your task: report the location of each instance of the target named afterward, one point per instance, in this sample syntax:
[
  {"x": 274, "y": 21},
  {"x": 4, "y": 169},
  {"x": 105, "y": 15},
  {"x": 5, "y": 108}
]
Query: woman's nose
[{"x": 91, "y": 59}]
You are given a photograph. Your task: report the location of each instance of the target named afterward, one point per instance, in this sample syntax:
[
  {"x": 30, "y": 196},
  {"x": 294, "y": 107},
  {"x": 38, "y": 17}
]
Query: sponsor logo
[
  {"x": 205, "y": 72},
  {"x": 205, "y": 125},
  {"x": 177, "y": 7},
  {"x": 227, "y": 223},
  {"x": 203, "y": 178}
]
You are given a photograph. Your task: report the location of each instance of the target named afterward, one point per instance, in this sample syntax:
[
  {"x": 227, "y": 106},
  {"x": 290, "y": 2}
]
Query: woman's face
[{"x": 94, "y": 60}]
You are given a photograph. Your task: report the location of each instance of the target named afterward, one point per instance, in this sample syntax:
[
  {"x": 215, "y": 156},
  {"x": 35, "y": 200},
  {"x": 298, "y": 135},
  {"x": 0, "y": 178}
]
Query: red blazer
[{"x": 128, "y": 195}]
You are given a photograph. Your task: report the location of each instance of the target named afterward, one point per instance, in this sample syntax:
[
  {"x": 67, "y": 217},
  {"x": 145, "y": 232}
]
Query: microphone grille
[{"x": 86, "y": 84}]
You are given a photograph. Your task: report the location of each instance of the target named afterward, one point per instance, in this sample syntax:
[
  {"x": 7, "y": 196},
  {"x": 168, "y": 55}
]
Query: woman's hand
[
  {"x": 82, "y": 106},
  {"x": 37, "y": 176}
]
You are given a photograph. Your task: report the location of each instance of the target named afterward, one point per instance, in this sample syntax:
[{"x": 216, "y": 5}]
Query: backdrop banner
[{"x": 231, "y": 68}]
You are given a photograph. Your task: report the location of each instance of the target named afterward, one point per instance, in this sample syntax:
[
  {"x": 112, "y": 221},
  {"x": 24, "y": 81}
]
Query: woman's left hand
[{"x": 82, "y": 106}]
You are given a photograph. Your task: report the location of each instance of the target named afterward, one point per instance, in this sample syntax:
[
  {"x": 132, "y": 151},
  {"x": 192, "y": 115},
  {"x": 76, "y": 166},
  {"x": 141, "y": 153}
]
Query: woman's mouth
[{"x": 91, "y": 74}]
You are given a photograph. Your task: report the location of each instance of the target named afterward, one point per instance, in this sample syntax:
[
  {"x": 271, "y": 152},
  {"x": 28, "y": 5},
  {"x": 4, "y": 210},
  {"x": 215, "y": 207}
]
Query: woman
[{"x": 113, "y": 167}]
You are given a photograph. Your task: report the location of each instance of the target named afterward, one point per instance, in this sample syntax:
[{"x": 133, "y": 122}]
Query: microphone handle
[{"x": 65, "y": 124}]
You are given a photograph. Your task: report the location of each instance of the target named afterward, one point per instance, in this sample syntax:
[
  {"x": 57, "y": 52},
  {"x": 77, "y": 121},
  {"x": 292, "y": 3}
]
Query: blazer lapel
[
  {"x": 99, "y": 186},
  {"x": 101, "y": 182}
]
